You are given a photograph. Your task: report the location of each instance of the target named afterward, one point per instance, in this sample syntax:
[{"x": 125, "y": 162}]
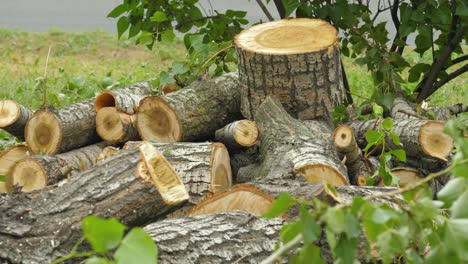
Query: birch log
[
  {"x": 289, "y": 146},
  {"x": 297, "y": 60},
  {"x": 192, "y": 113},
  {"x": 13, "y": 117},
  {"x": 38, "y": 171},
  {"x": 420, "y": 138},
  {"x": 52, "y": 131}
]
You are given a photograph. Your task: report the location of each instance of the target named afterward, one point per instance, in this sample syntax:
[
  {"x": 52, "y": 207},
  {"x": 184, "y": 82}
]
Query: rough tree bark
[
  {"x": 39, "y": 226},
  {"x": 13, "y": 117},
  {"x": 359, "y": 168},
  {"x": 296, "y": 60},
  {"x": 8, "y": 159},
  {"x": 116, "y": 127},
  {"x": 193, "y": 113},
  {"x": 289, "y": 146},
  {"x": 124, "y": 100},
  {"x": 38, "y": 171},
  {"x": 52, "y": 131},
  {"x": 221, "y": 238},
  {"x": 238, "y": 134},
  {"x": 420, "y": 138}
]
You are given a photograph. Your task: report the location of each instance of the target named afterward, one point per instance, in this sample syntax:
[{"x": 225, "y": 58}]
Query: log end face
[
  {"x": 242, "y": 197},
  {"x": 221, "y": 173},
  {"x": 246, "y": 133},
  {"x": 104, "y": 99},
  {"x": 110, "y": 125},
  {"x": 27, "y": 175},
  {"x": 407, "y": 175},
  {"x": 10, "y": 156},
  {"x": 158, "y": 121},
  {"x": 434, "y": 142},
  {"x": 43, "y": 133},
  {"x": 9, "y": 112},
  {"x": 318, "y": 173},
  {"x": 343, "y": 137}
]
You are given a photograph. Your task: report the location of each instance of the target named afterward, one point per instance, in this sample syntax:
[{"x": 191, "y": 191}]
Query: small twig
[
  {"x": 284, "y": 248},
  {"x": 410, "y": 113},
  {"x": 212, "y": 57},
  {"x": 265, "y": 10},
  {"x": 44, "y": 86}
]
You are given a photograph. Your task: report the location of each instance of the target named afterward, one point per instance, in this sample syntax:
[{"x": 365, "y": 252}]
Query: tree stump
[{"x": 297, "y": 60}]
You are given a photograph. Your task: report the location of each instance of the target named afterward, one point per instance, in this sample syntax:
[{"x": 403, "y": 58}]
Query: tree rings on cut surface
[
  {"x": 8, "y": 159},
  {"x": 114, "y": 126},
  {"x": 43, "y": 133},
  {"x": 434, "y": 142}
]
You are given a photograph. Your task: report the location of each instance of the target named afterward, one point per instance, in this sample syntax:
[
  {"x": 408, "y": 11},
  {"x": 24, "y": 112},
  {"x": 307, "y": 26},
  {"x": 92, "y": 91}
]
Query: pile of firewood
[{"x": 143, "y": 158}]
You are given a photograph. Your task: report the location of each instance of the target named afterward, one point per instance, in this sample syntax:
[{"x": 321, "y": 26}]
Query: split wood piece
[
  {"x": 239, "y": 134},
  {"x": 420, "y": 138},
  {"x": 297, "y": 60},
  {"x": 401, "y": 109},
  {"x": 38, "y": 171},
  {"x": 8, "y": 159},
  {"x": 13, "y": 117},
  {"x": 125, "y": 100},
  {"x": 56, "y": 131},
  {"x": 205, "y": 165},
  {"x": 221, "y": 238},
  {"x": 193, "y": 113},
  {"x": 291, "y": 147},
  {"x": 116, "y": 127},
  {"x": 359, "y": 168},
  {"x": 257, "y": 197},
  {"x": 163, "y": 175},
  {"x": 106, "y": 153},
  {"x": 30, "y": 221}
]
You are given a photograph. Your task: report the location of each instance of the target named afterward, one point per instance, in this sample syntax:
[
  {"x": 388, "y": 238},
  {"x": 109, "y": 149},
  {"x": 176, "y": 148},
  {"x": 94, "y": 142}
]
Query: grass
[{"x": 83, "y": 64}]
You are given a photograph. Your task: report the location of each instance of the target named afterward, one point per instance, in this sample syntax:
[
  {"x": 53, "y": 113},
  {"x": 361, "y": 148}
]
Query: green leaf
[
  {"x": 459, "y": 208},
  {"x": 122, "y": 26},
  {"x": 377, "y": 109},
  {"x": 168, "y": 36},
  {"x": 391, "y": 244},
  {"x": 179, "y": 68},
  {"x": 3, "y": 178},
  {"x": 289, "y": 231},
  {"x": 102, "y": 234},
  {"x": 280, "y": 205},
  {"x": 395, "y": 138},
  {"x": 165, "y": 78},
  {"x": 290, "y": 6},
  {"x": 137, "y": 248},
  {"x": 382, "y": 216},
  {"x": 97, "y": 260},
  {"x": 158, "y": 17},
  {"x": 310, "y": 254},
  {"x": 373, "y": 138},
  {"x": 146, "y": 38},
  {"x": 310, "y": 229},
  {"x": 387, "y": 124},
  {"x": 346, "y": 250},
  {"x": 117, "y": 11},
  {"x": 456, "y": 236},
  {"x": 451, "y": 191},
  {"x": 399, "y": 153}
]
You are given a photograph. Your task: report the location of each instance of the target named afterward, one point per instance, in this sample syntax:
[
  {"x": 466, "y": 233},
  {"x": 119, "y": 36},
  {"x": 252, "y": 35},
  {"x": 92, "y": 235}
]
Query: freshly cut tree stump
[
  {"x": 8, "y": 159},
  {"x": 420, "y": 138},
  {"x": 239, "y": 134},
  {"x": 116, "y": 127},
  {"x": 359, "y": 169},
  {"x": 289, "y": 146},
  {"x": 221, "y": 238},
  {"x": 30, "y": 221},
  {"x": 56, "y": 131},
  {"x": 297, "y": 60},
  {"x": 38, "y": 171},
  {"x": 125, "y": 100},
  {"x": 13, "y": 117},
  {"x": 193, "y": 113}
]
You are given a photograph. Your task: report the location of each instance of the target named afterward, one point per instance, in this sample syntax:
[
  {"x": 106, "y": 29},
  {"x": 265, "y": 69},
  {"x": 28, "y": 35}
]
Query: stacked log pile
[{"x": 200, "y": 159}]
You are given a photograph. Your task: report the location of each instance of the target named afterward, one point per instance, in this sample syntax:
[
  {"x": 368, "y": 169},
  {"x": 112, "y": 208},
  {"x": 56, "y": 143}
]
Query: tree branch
[
  {"x": 448, "y": 78},
  {"x": 280, "y": 8},
  {"x": 459, "y": 59},
  {"x": 265, "y": 10}
]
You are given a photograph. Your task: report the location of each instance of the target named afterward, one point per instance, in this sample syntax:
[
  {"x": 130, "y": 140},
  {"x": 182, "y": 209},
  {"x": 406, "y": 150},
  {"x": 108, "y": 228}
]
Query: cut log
[
  {"x": 297, "y": 60},
  {"x": 163, "y": 175},
  {"x": 239, "y": 134},
  {"x": 8, "y": 159},
  {"x": 193, "y": 113},
  {"x": 13, "y": 117},
  {"x": 257, "y": 197},
  {"x": 39, "y": 226},
  {"x": 289, "y": 146},
  {"x": 222, "y": 238},
  {"x": 38, "y": 171},
  {"x": 359, "y": 168},
  {"x": 445, "y": 113},
  {"x": 420, "y": 138},
  {"x": 116, "y": 127},
  {"x": 56, "y": 131},
  {"x": 125, "y": 100}
]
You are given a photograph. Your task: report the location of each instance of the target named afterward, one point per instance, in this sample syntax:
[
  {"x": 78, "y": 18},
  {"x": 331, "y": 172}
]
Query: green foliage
[{"x": 109, "y": 246}]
